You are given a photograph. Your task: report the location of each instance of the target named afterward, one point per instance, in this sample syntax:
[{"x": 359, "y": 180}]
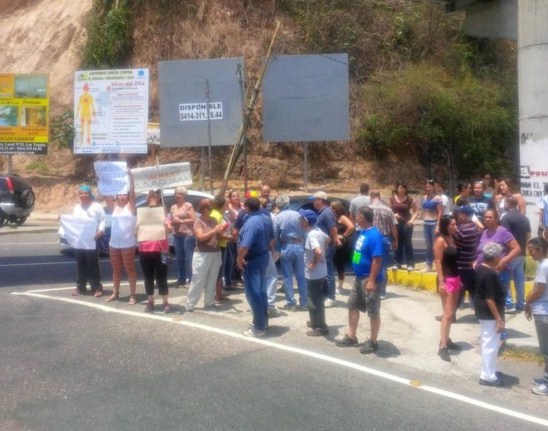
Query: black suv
[{"x": 16, "y": 199}]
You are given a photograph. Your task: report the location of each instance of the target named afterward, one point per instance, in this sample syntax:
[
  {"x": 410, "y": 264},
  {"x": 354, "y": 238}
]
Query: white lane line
[
  {"x": 320, "y": 356},
  {"x": 28, "y": 243},
  {"x": 8, "y": 265}
]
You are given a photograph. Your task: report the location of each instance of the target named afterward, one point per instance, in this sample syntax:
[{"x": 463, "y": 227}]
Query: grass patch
[{"x": 522, "y": 355}]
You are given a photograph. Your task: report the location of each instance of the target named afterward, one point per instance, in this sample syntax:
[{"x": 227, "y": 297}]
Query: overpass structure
[{"x": 524, "y": 21}]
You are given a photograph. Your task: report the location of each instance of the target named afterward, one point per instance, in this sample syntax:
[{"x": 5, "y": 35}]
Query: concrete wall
[{"x": 494, "y": 19}]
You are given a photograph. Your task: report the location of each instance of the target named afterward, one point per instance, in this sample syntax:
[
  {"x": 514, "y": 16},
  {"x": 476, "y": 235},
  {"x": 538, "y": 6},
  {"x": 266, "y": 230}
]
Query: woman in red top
[{"x": 406, "y": 210}]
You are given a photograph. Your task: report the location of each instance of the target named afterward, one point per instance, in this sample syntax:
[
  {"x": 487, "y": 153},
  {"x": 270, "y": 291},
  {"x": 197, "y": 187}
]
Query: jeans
[
  {"x": 405, "y": 245},
  {"x": 541, "y": 325},
  {"x": 517, "y": 269},
  {"x": 255, "y": 290},
  {"x": 184, "y": 249},
  {"x": 429, "y": 229},
  {"x": 329, "y": 284},
  {"x": 316, "y": 307},
  {"x": 468, "y": 280},
  {"x": 292, "y": 263},
  {"x": 385, "y": 263},
  {"x": 271, "y": 281}
]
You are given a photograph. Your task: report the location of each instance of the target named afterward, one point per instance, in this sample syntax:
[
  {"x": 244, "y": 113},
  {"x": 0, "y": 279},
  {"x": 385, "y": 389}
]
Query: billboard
[
  {"x": 24, "y": 108},
  {"x": 201, "y": 102},
  {"x": 111, "y": 111},
  {"x": 305, "y": 98}
]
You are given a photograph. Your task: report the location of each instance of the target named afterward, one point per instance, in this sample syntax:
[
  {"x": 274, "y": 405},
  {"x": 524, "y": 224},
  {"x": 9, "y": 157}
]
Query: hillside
[{"x": 384, "y": 40}]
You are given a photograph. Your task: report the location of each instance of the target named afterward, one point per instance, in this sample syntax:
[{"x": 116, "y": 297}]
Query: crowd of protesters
[{"x": 475, "y": 243}]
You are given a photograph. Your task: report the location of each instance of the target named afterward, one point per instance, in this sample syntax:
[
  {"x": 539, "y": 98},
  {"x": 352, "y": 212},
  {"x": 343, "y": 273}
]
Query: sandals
[
  {"x": 132, "y": 300},
  {"x": 114, "y": 297}
]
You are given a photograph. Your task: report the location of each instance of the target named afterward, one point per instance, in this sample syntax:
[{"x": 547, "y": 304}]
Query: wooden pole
[{"x": 240, "y": 141}]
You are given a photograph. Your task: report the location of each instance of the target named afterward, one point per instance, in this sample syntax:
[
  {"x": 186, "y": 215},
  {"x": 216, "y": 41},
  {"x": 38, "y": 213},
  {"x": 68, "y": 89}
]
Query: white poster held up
[
  {"x": 162, "y": 176},
  {"x": 112, "y": 178},
  {"x": 79, "y": 232},
  {"x": 151, "y": 224}
]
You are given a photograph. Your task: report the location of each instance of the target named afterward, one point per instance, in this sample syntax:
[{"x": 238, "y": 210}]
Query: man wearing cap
[
  {"x": 364, "y": 296},
  {"x": 315, "y": 272},
  {"x": 255, "y": 240},
  {"x": 289, "y": 237},
  {"x": 466, "y": 239},
  {"x": 327, "y": 222},
  {"x": 385, "y": 220},
  {"x": 87, "y": 261}
]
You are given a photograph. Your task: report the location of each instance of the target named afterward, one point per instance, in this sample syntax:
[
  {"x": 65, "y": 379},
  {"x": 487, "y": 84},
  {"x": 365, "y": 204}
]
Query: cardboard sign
[
  {"x": 151, "y": 224},
  {"x": 162, "y": 176}
]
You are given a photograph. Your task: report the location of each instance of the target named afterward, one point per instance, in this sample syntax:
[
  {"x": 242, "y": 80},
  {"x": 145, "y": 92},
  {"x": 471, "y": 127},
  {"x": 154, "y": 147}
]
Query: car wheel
[
  {"x": 26, "y": 200},
  {"x": 3, "y": 218},
  {"x": 20, "y": 220}
]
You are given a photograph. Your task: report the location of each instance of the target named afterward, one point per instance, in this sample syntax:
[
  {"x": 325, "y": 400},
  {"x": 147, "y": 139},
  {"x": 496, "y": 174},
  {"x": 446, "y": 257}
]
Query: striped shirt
[
  {"x": 383, "y": 218},
  {"x": 467, "y": 239}
]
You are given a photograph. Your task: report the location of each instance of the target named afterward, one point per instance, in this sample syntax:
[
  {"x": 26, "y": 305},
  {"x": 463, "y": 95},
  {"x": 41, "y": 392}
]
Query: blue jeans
[
  {"x": 385, "y": 263},
  {"x": 517, "y": 268},
  {"x": 271, "y": 275},
  {"x": 184, "y": 249},
  {"x": 255, "y": 290},
  {"x": 429, "y": 229},
  {"x": 504, "y": 277},
  {"x": 292, "y": 262},
  {"x": 329, "y": 286}
]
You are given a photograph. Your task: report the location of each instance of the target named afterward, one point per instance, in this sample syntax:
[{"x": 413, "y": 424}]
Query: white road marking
[
  {"x": 320, "y": 356},
  {"x": 8, "y": 265},
  {"x": 28, "y": 243}
]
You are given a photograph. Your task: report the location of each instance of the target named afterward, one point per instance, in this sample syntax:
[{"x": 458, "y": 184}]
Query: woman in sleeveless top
[
  {"x": 431, "y": 214},
  {"x": 182, "y": 222},
  {"x": 506, "y": 188},
  {"x": 448, "y": 281},
  {"x": 406, "y": 210},
  {"x": 345, "y": 229},
  {"x": 123, "y": 243}
]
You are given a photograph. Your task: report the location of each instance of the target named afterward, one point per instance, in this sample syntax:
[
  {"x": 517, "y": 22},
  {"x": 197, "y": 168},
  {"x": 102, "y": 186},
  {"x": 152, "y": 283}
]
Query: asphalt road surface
[{"x": 78, "y": 364}]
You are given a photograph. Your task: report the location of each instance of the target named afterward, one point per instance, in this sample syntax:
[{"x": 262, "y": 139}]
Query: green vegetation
[
  {"x": 39, "y": 167},
  {"x": 109, "y": 34},
  {"x": 62, "y": 129}
]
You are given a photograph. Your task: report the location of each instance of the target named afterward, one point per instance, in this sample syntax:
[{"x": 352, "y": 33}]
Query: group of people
[{"x": 476, "y": 245}]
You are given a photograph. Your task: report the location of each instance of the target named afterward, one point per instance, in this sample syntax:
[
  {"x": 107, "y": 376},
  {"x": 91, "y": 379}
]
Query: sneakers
[
  {"x": 347, "y": 342},
  {"x": 167, "y": 309},
  {"x": 540, "y": 389},
  {"x": 318, "y": 332},
  {"x": 395, "y": 267},
  {"x": 274, "y": 312},
  {"x": 410, "y": 267},
  {"x": 494, "y": 383},
  {"x": 149, "y": 307},
  {"x": 339, "y": 290},
  {"x": 252, "y": 332},
  {"x": 329, "y": 302},
  {"x": 290, "y": 307},
  {"x": 443, "y": 353},
  {"x": 369, "y": 347},
  {"x": 539, "y": 382},
  {"x": 510, "y": 309}
]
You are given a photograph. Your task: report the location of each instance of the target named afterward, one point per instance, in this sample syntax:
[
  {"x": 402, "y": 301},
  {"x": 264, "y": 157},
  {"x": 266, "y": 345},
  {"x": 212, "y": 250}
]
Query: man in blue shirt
[
  {"x": 327, "y": 222},
  {"x": 290, "y": 241},
  {"x": 367, "y": 263},
  {"x": 255, "y": 240}
]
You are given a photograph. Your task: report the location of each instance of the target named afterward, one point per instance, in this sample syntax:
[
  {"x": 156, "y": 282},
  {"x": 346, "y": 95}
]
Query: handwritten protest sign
[
  {"x": 151, "y": 224},
  {"x": 112, "y": 178},
  {"x": 162, "y": 176},
  {"x": 79, "y": 232}
]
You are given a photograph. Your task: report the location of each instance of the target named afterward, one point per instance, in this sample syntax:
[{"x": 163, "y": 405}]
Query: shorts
[
  {"x": 452, "y": 284},
  {"x": 358, "y": 299}
]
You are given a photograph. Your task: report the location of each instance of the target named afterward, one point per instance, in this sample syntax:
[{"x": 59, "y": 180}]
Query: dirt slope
[{"x": 43, "y": 36}]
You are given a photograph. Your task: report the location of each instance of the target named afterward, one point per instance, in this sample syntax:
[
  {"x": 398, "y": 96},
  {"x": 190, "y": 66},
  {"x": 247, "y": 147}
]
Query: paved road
[{"x": 75, "y": 363}]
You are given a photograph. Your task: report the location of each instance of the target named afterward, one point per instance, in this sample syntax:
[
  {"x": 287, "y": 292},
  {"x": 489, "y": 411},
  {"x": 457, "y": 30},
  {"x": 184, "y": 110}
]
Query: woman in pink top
[{"x": 153, "y": 258}]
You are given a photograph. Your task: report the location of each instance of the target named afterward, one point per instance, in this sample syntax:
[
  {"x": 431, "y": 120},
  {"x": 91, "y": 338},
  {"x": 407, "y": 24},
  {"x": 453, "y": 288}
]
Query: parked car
[
  {"x": 16, "y": 199},
  {"x": 193, "y": 196}
]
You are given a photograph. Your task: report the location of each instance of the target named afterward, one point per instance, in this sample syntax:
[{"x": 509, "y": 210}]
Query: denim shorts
[{"x": 363, "y": 301}]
